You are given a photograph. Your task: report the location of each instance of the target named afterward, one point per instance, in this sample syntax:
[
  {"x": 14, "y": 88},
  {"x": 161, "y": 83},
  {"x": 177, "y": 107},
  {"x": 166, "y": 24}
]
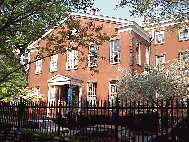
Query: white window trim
[
  {"x": 112, "y": 52},
  {"x": 93, "y": 93},
  {"x": 90, "y": 54},
  {"x": 72, "y": 59},
  {"x": 160, "y": 55},
  {"x": 53, "y": 63},
  {"x": 180, "y": 30},
  {"x": 157, "y": 33},
  {"x": 138, "y": 53},
  {"x": 110, "y": 92},
  {"x": 147, "y": 55},
  {"x": 38, "y": 68}
]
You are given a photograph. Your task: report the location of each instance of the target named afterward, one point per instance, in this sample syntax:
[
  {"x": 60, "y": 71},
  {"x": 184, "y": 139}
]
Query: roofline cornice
[
  {"x": 164, "y": 23},
  {"x": 136, "y": 28}
]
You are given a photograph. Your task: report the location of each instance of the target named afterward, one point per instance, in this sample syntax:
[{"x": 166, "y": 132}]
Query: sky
[{"x": 107, "y": 8}]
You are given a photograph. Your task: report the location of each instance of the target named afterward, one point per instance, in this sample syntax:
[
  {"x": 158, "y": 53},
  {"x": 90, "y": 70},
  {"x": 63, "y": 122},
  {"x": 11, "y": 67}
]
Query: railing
[{"x": 124, "y": 121}]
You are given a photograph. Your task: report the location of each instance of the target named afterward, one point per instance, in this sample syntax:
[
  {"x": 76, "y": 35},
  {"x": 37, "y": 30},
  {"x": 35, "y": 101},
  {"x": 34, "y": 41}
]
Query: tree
[
  {"x": 22, "y": 22},
  {"x": 164, "y": 82},
  {"x": 171, "y": 9},
  {"x": 13, "y": 82}
]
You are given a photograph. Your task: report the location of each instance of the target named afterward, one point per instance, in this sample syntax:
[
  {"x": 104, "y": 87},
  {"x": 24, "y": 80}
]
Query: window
[
  {"x": 91, "y": 93},
  {"x": 147, "y": 55},
  {"x": 184, "y": 34},
  {"x": 159, "y": 37},
  {"x": 112, "y": 90},
  {"x": 73, "y": 34},
  {"x": 72, "y": 59},
  {"x": 160, "y": 59},
  {"x": 37, "y": 93},
  {"x": 115, "y": 52},
  {"x": 52, "y": 92},
  {"x": 38, "y": 68},
  {"x": 184, "y": 55},
  {"x": 53, "y": 64},
  {"x": 138, "y": 54},
  {"x": 92, "y": 59}
]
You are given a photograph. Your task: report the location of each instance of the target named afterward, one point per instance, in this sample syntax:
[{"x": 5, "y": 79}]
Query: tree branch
[
  {"x": 23, "y": 66},
  {"x": 1, "y": 2}
]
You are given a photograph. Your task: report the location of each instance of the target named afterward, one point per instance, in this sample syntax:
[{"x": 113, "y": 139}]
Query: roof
[{"x": 122, "y": 25}]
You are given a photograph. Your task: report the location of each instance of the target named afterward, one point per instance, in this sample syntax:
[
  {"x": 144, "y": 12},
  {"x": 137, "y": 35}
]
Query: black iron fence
[{"x": 122, "y": 121}]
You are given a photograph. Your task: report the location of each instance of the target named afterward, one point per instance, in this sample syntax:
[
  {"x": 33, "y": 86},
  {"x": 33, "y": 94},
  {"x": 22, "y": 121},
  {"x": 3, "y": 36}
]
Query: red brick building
[
  {"x": 170, "y": 40},
  {"x": 57, "y": 77}
]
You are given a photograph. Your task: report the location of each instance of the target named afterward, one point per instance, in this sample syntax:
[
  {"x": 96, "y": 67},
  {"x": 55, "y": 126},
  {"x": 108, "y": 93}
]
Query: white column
[{"x": 80, "y": 94}]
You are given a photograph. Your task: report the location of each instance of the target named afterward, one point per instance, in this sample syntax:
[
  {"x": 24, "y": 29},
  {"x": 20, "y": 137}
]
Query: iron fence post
[
  {"x": 162, "y": 120},
  {"x": 188, "y": 109},
  {"x": 59, "y": 117},
  {"x": 116, "y": 119}
]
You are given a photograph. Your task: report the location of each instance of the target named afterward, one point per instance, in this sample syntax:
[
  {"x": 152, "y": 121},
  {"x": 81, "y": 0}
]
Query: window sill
[
  {"x": 183, "y": 39},
  {"x": 53, "y": 71},
  {"x": 95, "y": 66},
  {"x": 71, "y": 69},
  {"x": 115, "y": 63},
  {"x": 159, "y": 43},
  {"x": 37, "y": 73}
]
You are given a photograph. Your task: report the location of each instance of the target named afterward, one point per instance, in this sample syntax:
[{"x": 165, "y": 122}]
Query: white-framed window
[
  {"x": 115, "y": 51},
  {"x": 160, "y": 59},
  {"x": 147, "y": 55},
  {"x": 91, "y": 93},
  {"x": 38, "y": 68},
  {"x": 52, "y": 92},
  {"x": 112, "y": 90},
  {"x": 184, "y": 55},
  {"x": 92, "y": 58},
  {"x": 138, "y": 53},
  {"x": 74, "y": 32},
  {"x": 159, "y": 37},
  {"x": 53, "y": 63},
  {"x": 184, "y": 33},
  {"x": 37, "y": 93},
  {"x": 72, "y": 59}
]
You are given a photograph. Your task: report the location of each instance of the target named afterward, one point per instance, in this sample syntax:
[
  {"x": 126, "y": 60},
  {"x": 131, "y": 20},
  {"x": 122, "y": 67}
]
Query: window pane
[{"x": 116, "y": 57}]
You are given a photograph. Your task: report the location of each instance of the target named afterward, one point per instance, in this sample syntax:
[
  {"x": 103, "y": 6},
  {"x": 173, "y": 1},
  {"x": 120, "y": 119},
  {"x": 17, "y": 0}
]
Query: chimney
[{"x": 92, "y": 11}]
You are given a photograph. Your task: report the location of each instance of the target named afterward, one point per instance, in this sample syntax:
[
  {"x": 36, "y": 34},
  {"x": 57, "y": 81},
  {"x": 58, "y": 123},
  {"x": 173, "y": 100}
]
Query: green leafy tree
[
  {"x": 14, "y": 82},
  {"x": 157, "y": 9},
  {"x": 22, "y": 22}
]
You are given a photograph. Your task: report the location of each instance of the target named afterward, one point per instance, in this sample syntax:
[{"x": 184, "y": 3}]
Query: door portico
[{"x": 60, "y": 88}]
